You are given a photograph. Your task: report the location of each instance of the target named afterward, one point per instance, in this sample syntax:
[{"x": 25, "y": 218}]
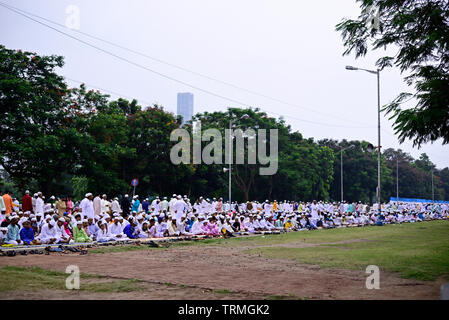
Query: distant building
[{"x": 185, "y": 106}]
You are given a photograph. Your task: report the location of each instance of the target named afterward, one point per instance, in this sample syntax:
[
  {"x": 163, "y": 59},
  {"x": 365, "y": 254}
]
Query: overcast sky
[{"x": 288, "y": 50}]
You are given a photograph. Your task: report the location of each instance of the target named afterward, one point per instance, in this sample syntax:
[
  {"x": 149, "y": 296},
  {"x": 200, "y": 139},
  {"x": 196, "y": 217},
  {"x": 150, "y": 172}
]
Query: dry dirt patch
[{"x": 224, "y": 269}]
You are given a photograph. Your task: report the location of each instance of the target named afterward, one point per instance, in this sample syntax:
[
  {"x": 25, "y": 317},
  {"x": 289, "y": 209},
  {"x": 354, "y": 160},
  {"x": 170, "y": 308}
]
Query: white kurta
[
  {"x": 47, "y": 233},
  {"x": 39, "y": 206},
  {"x": 179, "y": 209},
  {"x": 87, "y": 208}
]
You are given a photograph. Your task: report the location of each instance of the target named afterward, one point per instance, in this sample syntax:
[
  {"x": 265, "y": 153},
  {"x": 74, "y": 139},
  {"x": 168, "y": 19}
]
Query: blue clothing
[
  {"x": 135, "y": 206},
  {"x": 129, "y": 231},
  {"x": 145, "y": 206},
  {"x": 189, "y": 225},
  {"x": 13, "y": 233},
  {"x": 27, "y": 235}
]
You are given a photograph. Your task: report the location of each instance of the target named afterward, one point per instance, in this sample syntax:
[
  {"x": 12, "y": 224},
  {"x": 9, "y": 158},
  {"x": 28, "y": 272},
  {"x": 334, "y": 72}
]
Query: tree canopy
[
  {"x": 69, "y": 141},
  {"x": 419, "y": 32}
]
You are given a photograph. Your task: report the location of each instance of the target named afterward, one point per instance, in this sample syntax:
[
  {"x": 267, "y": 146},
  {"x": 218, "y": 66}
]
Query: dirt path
[{"x": 217, "y": 268}]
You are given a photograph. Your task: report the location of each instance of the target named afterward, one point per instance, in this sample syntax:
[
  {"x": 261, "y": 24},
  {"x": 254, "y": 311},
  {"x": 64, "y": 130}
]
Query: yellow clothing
[{"x": 61, "y": 206}]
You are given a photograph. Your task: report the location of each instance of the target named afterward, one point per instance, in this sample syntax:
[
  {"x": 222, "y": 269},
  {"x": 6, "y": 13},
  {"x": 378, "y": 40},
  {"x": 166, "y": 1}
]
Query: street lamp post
[
  {"x": 377, "y": 72},
  {"x": 397, "y": 181},
  {"x": 433, "y": 193},
  {"x": 341, "y": 169},
  {"x": 245, "y": 116}
]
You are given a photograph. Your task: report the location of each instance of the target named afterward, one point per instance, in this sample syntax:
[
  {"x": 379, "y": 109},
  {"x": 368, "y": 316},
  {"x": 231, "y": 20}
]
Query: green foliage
[
  {"x": 304, "y": 168},
  {"x": 359, "y": 172},
  {"x": 72, "y": 141},
  {"x": 419, "y": 31},
  {"x": 80, "y": 187}
]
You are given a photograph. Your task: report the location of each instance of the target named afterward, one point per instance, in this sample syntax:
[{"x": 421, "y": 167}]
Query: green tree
[
  {"x": 419, "y": 31},
  {"x": 37, "y": 139},
  {"x": 304, "y": 169},
  {"x": 148, "y": 134}
]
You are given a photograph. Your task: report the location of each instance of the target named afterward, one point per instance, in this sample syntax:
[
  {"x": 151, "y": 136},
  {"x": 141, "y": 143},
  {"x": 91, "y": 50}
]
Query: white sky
[{"x": 286, "y": 49}]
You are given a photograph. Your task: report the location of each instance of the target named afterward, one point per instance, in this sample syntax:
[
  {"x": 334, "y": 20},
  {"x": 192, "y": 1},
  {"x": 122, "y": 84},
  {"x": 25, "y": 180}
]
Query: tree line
[{"x": 68, "y": 141}]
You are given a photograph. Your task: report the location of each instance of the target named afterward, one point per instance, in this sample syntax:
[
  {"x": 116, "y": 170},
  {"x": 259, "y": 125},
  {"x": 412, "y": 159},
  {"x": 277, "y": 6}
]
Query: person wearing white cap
[
  {"x": 124, "y": 222},
  {"x": 181, "y": 227},
  {"x": 116, "y": 229},
  {"x": 143, "y": 231},
  {"x": 39, "y": 204},
  {"x": 226, "y": 228},
  {"x": 115, "y": 206},
  {"x": 3, "y": 231},
  {"x": 92, "y": 227},
  {"x": 97, "y": 205},
  {"x": 178, "y": 208},
  {"x": 79, "y": 235},
  {"x": 27, "y": 202},
  {"x": 12, "y": 235},
  {"x": 196, "y": 227},
  {"x": 33, "y": 202},
  {"x": 136, "y": 204},
  {"x": 105, "y": 205},
  {"x": 154, "y": 202},
  {"x": 87, "y": 207},
  {"x": 164, "y": 204},
  {"x": 48, "y": 233},
  {"x": 172, "y": 203},
  {"x": 103, "y": 233},
  {"x": 61, "y": 234},
  {"x": 204, "y": 205}
]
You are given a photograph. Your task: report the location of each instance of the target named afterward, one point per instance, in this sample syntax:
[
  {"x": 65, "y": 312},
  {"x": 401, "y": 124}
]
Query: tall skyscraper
[{"x": 185, "y": 106}]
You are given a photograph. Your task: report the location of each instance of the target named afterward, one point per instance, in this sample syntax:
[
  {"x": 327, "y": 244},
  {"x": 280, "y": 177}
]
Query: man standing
[
  {"x": 27, "y": 202},
  {"x": 87, "y": 207},
  {"x": 179, "y": 208},
  {"x": 33, "y": 201},
  {"x": 155, "y": 202},
  {"x": 164, "y": 204},
  {"x": 314, "y": 212},
  {"x": 2, "y": 207},
  {"x": 105, "y": 205},
  {"x": 39, "y": 205},
  {"x": 8, "y": 202},
  {"x": 61, "y": 206},
  {"x": 69, "y": 205},
  {"x": 97, "y": 205},
  {"x": 125, "y": 206},
  {"x": 115, "y": 206},
  {"x": 146, "y": 205},
  {"x": 136, "y": 204},
  {"x": 171, "y": 204}
]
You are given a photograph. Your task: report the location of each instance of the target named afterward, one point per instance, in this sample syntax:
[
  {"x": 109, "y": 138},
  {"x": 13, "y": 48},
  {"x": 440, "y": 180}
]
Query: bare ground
[{"x": 214, "y": 272}]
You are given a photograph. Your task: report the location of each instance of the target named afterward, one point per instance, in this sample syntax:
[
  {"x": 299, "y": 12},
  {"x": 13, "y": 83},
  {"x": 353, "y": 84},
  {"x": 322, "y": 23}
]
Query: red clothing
[{"x": 27, "y": 203}]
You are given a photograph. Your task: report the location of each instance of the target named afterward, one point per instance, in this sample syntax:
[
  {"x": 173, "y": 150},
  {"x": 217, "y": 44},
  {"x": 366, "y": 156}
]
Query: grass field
[
  {"x": 419, "y": 251},
  {"x": 415, "y": 250},
  {"x": 34, "y": 278}
]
